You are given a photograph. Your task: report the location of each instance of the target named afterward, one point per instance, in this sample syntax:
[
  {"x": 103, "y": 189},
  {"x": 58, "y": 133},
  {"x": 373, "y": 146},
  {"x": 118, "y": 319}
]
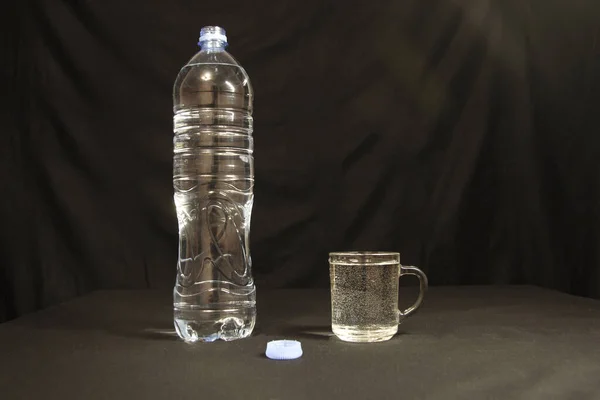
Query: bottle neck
[{"x": 213, "y": 45}]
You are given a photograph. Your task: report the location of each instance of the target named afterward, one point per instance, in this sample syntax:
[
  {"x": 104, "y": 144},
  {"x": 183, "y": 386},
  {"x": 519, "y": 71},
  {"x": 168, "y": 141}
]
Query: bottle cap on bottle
[
  {"x": 212, "y": 33},
  {"x": 283, "y": 349}
]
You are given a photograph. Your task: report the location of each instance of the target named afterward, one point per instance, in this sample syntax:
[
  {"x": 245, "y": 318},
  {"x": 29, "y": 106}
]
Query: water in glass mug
[{"x": 364, "y": 301}]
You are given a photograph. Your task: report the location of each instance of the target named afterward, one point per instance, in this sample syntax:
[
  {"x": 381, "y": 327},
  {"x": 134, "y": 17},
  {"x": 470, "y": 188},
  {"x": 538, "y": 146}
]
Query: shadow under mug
[{"x": 364, "y": 294}]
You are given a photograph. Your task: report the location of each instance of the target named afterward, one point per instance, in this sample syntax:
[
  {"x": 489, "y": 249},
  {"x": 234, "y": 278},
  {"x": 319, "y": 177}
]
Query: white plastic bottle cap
[{"x": 284, "y": 349}]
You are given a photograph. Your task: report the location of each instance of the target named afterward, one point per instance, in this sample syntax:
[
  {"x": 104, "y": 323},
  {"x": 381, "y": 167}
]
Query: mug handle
[{"x": 423, "y": 284}]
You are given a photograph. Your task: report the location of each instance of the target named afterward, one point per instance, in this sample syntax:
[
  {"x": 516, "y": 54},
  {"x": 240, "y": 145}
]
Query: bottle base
[{"x": 208, "y": 325}]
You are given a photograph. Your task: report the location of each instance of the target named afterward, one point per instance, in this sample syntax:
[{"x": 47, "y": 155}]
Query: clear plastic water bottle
[{"x": 213, "y": 179}]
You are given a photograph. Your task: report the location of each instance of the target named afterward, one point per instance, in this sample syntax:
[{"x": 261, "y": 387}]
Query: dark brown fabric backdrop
[{"x": 461, "y": 133}]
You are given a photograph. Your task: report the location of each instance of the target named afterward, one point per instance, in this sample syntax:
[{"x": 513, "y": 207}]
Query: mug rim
[
  {"x": 365, "y": 258},
  {"x": 364, "y": 253}
]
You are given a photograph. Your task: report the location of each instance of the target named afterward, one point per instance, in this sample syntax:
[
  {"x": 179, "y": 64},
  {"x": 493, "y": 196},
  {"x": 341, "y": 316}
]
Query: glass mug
[{"x": 364, "y": 294}]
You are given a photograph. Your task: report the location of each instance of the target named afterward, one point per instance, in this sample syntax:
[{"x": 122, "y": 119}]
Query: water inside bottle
[{"x": 213, "y": 178}]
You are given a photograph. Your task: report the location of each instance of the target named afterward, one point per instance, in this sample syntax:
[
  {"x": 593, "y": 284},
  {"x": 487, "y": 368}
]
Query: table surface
[{"x": 516, "y": 342}]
